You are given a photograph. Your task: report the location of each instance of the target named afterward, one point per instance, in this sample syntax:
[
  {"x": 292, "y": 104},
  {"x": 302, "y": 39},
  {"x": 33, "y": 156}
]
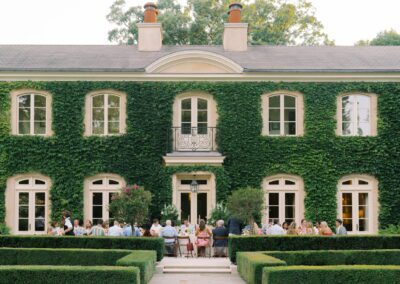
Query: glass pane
[
  {"x": 40, "y": 127},
  {"x": 202, "y": 128},
  {"x": 186, "y": 128},
  {"x": 97, "y": 198},
  {"x": 290, "y": 101},
  {"x": 289, "y": 212},
  {"x": 274, "y": 115},
  {"x": 347, "y": 182},
  {"x": 40, "y": 101},
  {"x": 202, "y": 104},
  {"x": 23, "y": 212},
  {"x": 346, "y": 128},
  {"x": 274, "y": 182},
  {"x": 97, "y": 212},
  {"x": 24, "y": 114},
  {"x": 347, "y": 199},
  {"x": 40, "y": 198},
  {"x": 100, "y": 181},
  {"x": 113, "y": 127},
  {"x": 39, "y": 212},
  {"x": 347, "y": 108},
  {"x": 111, "y": 181},
  {"x": 274, "y": 128},
  {"x": 363, "y": 115},
  {"x": 290, "y": 199},
  {"x": 186, "y": 116},
  {"x": 98, "y": 114},
  {"x": 363, "y": 129},
  {"x": 40, "y": 224},
  {"x": 364, "y": 102},
  {"x": 24, "y": 127},
  {"x": 363, "y": 225},
  {"x": 185, "y": 206},
  {"x": 363, "y": 212},
  {"x": 113, "y": 101},
  {"x": 25, "y": 181},
  {"x": 98, "y": 127},
  {"x": 24, "y": 198},
  {"x": 290, "y": 115},
  {"x": 363, "y": 198},
  {"x": 24, "y": 101},
  {"x": 98, "y": 101},
  {"x": 38, "y": 181},
  {"x": 289, "y": 182},
  {"x": 202, "y": 205},
  {"x": 273, "y": 212},
  {"x": 362, "y": 182},
  {"x": 187, "y": 104},
  {"x": 348, "y": 224},
  {"x": 273, "y": 198},
  {"x": 275, "y": 101},
  {"x": 290, "y": 128},
  {"x": 202, "y": 116},
  {"x": 23, "y": 224},
  {"x": 347, "y": 211},
  {"x": 113, "y": 114}
]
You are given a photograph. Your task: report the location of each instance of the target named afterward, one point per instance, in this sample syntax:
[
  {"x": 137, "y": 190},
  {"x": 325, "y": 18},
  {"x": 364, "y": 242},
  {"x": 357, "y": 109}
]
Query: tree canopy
[
  {"x": 274, "y": 22},
  {"x": 387, "y": 37}
]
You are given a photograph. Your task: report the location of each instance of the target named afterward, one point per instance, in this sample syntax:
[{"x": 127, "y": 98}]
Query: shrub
[
  {"x": 220, "y": 212},
  {"x": 391, "y": 230},
  {"x": 144, "y": 260},
  {"x": 169, "y": 212},
  {"x": 331, "y": 274},
  {"x": 156, "y": 244},
  {"x": 291, "y": 243},
  {"x": 63, "y": 274},
  {"x": 250, "y": 265},
  {"x": 4, "y": 230}
]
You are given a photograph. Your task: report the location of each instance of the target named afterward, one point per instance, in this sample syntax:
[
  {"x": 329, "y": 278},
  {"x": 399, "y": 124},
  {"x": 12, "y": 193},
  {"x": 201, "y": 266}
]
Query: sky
[{"x": 84, "y": 21}]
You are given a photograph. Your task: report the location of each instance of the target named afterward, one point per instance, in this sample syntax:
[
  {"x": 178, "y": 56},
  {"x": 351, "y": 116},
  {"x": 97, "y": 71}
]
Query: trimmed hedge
[
  {"x": 293, "y": 243},
  {"x": 68, "y": 274},
  {"x": 364, "y": 274},
  {"x": 250, "y": 265},
  {"x": 144, "y": 260},
  {"x": 156, "y": 244}
]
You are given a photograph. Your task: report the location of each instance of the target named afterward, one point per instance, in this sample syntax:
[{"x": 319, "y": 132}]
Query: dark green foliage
[
  {"x": 68, "y": 274},
  {"x": 357, "y": 274},
  {"x": 294, "y": 243},
  {"x": 156, "y": 244},
  {"x": 391, "y": 230},
  {"x": 320, "y": 157},
  {"x": 144, "y": 260}
]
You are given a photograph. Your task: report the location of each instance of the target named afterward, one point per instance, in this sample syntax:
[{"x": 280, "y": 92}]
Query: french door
[
  {"x": 355, "y": 211},
  {"x": 281, "y": 206},
  {"x": 31, "y": 212}
]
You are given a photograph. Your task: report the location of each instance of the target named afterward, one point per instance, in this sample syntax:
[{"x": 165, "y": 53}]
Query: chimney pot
[
  {"x": 235, "y": 13},
  {"x": 150, "y": 12}
]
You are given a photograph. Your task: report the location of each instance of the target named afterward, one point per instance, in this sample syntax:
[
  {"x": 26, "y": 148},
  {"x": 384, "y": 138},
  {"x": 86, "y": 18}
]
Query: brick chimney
[
  {"x": 149, "y": 32},
  {"x": 235, "y": 32}
]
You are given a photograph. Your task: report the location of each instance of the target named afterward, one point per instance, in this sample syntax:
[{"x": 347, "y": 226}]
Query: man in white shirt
[
  {"x": 116, "y": 230},
  {"x": 155, "y": 228},
  {"x": 276, "y": 229}
]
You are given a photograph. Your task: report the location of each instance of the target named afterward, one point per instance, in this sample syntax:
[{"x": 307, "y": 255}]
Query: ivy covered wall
[{"x": 319, "y": 157}]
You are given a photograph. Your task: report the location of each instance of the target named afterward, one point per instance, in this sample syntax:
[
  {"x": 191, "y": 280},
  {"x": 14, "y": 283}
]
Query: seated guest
[
  {"x": 88, "y": 227},
  {"x": 276, "y": 229},
  {"x": 146, "y": 231},
  {"x": 310, "y": 229},
  {"x": 155, "y": 228},
  {"x": 202, "y": 234},
  {"x": 292, "y": 230},
  {"x": 340, "y": 229},
  {"x": 186, "y": 228},
  {"x": 325, "y": 230},
  {"x": 303, "y": 227},
  {"x": 54, "y": 229},
  {"x": 169, "y": 233},
  {"x": 98, "y": 230},
  {"x": 220, "y": 235},
  {"x": 78, "y": 229},
  {"x": 137, "y": 232},
  {"x": 285, "y": 227},
  {"x": 116, "y": 230},
  {"x": 127, "y": 230}
]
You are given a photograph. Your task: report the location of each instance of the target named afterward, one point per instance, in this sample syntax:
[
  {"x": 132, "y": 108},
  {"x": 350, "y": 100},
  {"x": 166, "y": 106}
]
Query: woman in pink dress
[{"x": 203, "y": 235}]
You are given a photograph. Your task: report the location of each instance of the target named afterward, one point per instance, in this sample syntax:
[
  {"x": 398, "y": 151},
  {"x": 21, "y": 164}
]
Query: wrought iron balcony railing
[{"x": 192, "y": 139}]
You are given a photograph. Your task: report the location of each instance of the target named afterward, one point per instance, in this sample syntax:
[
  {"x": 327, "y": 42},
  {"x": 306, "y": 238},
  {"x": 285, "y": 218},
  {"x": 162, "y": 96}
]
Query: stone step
[
  {"x": 193, "y": 270},
  {"x": 189, "y": 266}
]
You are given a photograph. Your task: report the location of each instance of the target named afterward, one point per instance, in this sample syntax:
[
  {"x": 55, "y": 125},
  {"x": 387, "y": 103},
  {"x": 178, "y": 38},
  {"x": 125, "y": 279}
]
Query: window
[
  {"x": 282, "y": 114},
  {"x": 284, "y": 199},
  {"x": 99, "y": 192},
  {"x": 357, "y": 115},
  {"x": 358, "y": 203},
  {"x": 31, "y": 113},
  {"x": 105, "y": 113}
]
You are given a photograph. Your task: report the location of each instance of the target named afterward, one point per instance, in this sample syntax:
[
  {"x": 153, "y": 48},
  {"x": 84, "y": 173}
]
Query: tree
[
  {"x": 274, "y": 22},
  {"x": 131, "y": 205},
  {"x": 246, "y": 204},
  {"x": 387, "y": 37}
]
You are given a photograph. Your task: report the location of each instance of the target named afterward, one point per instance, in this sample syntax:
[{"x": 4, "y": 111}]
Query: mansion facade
[{"x": 316, "y": 128}]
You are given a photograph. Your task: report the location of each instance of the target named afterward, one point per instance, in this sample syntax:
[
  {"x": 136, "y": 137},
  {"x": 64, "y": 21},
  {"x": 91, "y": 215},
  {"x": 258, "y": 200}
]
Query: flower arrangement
[{"x": 169, "y": 212}]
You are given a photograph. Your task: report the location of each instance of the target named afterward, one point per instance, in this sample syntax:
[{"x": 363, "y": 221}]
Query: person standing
[
  {"x": 68, "y": 228},
  {"x": 234, "y": 226},
  {"x": 340, "y": 229}
]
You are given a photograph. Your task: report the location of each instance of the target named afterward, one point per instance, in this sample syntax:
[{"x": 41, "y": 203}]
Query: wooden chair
[
  {"x": 220, "y": 238},
  {"x": 174, "y": 245},
  {"x": 184, "y": 244}
]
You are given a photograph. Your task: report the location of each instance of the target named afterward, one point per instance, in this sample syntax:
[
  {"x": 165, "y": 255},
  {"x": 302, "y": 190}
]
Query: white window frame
[
  {"x": 299, "y": 113},
  {"x": 15, "y": 112},
  {"x": 373, "y": 115},
  {"x": 281, "y": 189},
  {"x": 89, "y": 112}
]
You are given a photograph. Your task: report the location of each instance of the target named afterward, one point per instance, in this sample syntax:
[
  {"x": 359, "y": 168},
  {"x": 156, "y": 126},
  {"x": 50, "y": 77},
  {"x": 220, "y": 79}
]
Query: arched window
[
  {"x": 194, "y": 122},
  {"x": 357, "y": 115},
  {"x": 27, "y": 199},
  {"x": 358, "y": 203},
  {"x": 99, "y": 191},
  {"x": 31, "y": 113},
  {"x": 284, "y": 195},
  {"x": 105, "y": 113},
  {"x": 282, "y": 114}
]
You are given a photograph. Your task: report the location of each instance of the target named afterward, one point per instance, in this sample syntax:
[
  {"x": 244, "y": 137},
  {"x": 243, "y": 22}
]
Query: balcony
[{"x": 192, "y": 145}]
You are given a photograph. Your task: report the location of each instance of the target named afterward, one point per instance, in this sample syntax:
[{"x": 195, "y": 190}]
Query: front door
[
  {"x": 31, "y": 212},
  {"x": 355, "y": 211}
]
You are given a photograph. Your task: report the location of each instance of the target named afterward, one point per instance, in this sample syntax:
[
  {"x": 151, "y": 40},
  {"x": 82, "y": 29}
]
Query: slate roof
[{"x": 113, "y": 58}]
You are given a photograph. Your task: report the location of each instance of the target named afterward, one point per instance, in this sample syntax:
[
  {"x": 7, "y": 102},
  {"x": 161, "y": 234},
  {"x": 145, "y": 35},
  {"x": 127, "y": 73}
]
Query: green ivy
[{"x": 320, "y": 157}]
